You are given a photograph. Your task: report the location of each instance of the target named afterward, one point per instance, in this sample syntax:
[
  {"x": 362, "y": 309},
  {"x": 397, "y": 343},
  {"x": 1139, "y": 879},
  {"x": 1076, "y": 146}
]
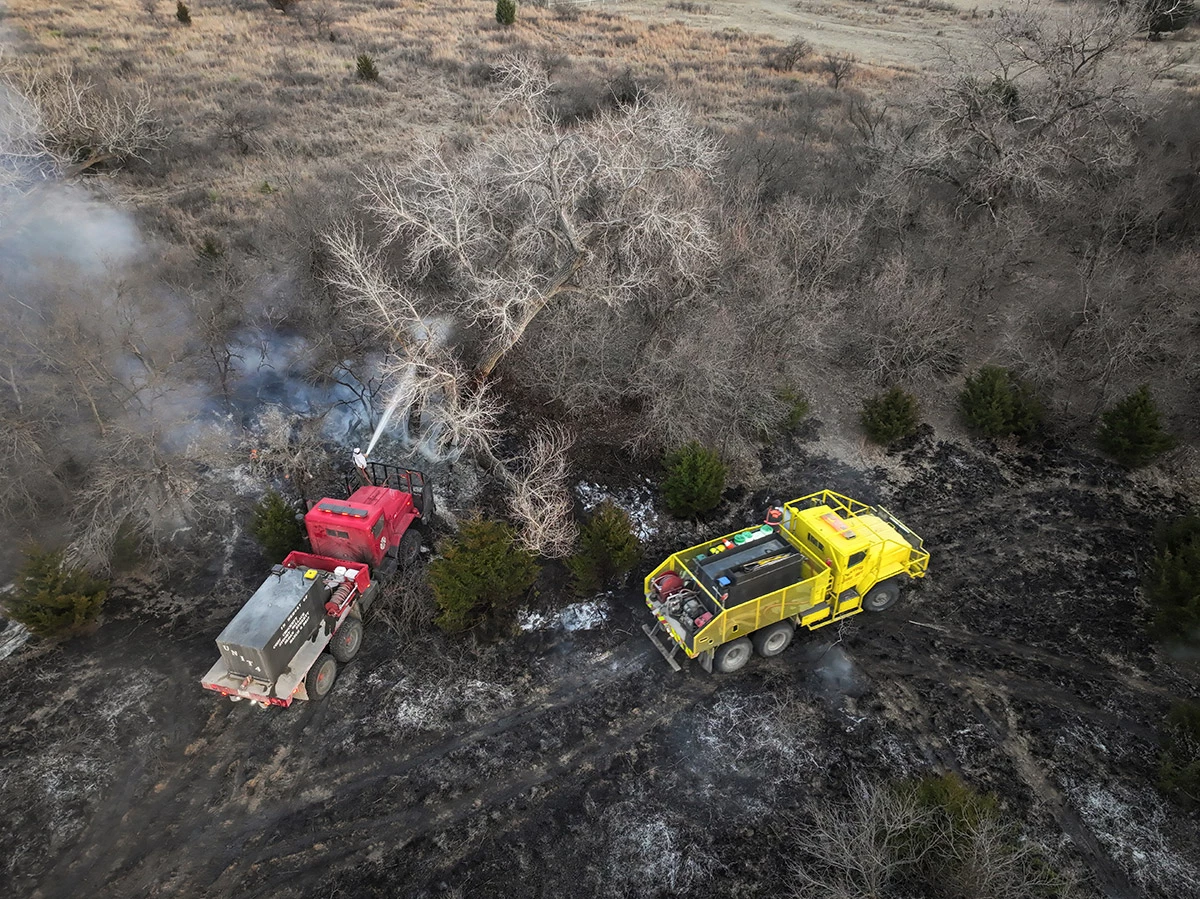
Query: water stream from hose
[{"x": 383, "y": 422}]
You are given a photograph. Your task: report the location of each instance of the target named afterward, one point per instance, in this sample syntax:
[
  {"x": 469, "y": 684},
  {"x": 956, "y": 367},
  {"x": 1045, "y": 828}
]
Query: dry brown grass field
[
  {"x": 258, "y": 100},
  {"x": 900, "y": 34},
  {"x": 287, "y": 85}
]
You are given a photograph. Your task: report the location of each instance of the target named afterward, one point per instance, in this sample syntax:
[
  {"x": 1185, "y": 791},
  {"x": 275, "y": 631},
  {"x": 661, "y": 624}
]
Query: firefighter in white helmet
[{"x": 360, "y": 463}]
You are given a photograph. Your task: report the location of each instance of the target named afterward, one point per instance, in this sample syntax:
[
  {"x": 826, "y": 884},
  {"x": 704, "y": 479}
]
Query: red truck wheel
[
  {"x": 347, "y": 641},
  {"x": 321, "y": 677},
  {"x": 410, "y": 548}
]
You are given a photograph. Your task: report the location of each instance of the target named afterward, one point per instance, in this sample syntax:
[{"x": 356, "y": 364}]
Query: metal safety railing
[
  {"x": 843, "y": 505},
  {"x": 396, "y": 477}
]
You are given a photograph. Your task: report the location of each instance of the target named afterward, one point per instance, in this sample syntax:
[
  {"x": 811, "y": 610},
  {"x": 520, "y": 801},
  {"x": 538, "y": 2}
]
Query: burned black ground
[{"x": 577, "y": 763}]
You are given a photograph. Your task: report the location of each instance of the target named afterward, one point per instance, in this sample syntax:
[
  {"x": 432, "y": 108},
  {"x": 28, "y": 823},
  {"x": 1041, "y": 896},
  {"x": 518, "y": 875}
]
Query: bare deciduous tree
[
  {"x": 1160, "y": 16},
  {"x": 1112, "y": 329},
  {"x": 541, "y": 210},
  {"x": 789, "y": 56},
  {"x": 907, "y": 328},
  {"x": 405, "y": 605},
  {"x": 290, "y": 446},
  {"x": 140, "y": 491},
  {"x": 94, "y": 350},
  {"x": 79, "y": 124},
  {"x": 240, "y": 126},
  {"x": 693, "y": 381},
  {"x": 459, "y": 412},
  {"x": 714, "y": 368},
  {"x": 812, "y": 241},
  {"x": 884, "y": 839},
  {"x": 27, "y": 476},
  {"x": 98, "y": 385},
  {"x": 839, "y": 67},
  {"x": 104, "y": 374},
  {"x": 320, "y": 15},
  {"x": 492, "y": 238},
  {"x": 218, "y": 312},
  {"x": 539, "y": 496},
  {"x": 1046, "y": 95},
  {"x": 22, "y": 151},
  {"x": 859, "y": 849},
  {"x": 993, "y": 864}
]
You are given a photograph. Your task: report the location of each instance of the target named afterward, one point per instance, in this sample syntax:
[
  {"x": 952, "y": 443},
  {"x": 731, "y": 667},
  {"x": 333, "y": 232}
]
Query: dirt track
[
  {"x": 578, "y": 762},
  {"x": 907, "y": 35}
]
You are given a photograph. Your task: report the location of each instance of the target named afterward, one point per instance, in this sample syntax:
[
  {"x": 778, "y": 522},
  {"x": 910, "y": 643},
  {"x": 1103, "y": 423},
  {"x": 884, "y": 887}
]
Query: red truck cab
[{"x": 376, "y": 524}]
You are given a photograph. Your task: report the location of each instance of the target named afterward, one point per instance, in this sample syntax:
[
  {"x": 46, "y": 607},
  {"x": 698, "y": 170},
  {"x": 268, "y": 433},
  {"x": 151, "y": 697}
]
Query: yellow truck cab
[{"x": 827, "y": 558}]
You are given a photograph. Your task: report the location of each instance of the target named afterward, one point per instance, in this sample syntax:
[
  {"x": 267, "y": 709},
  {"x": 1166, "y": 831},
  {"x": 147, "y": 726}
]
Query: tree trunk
[{"x": 560, "y": 280}]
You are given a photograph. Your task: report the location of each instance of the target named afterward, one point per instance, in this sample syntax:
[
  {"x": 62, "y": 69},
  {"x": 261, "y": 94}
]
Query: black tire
[
  {"x": 773, "y": 639},
  {"x": 410, "y": 548},
  {"x": 320, "y": 677},
  {"x": 882, "y": 596},
  {"x": 347, "y": 640},
  {"x": 733, "y": 656}
]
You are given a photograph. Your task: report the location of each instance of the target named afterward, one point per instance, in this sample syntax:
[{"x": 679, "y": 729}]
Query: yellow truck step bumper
[{"x": 668, "y": 654}]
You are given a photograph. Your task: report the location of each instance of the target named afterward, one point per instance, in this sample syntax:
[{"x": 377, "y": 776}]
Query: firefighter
[
  {"x": 774, "y": 513},
  {"x": 360, "y": 463}
]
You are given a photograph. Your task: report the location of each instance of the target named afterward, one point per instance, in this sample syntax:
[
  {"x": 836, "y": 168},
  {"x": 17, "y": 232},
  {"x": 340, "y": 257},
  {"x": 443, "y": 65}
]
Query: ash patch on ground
[
  {"x": 575, "y": 762},
  {"x": 637, "y": 500}
]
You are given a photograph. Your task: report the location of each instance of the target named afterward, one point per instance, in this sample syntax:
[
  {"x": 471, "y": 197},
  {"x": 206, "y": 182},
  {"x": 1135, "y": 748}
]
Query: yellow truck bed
[{"x": 805, "y": 598}]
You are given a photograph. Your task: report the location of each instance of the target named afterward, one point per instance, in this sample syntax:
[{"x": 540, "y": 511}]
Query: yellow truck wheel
[
  {"x": 882, "y": 596},
  {"x": 773, "y": 639},
  {"x": 733, "y": 655}
]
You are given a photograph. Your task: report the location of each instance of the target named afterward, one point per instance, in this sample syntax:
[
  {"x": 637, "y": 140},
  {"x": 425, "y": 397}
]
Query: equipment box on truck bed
[
  {"x": 746, "y": 572},
  {"x": 265, "y": 635},
  {"x": 286, "y": 641}
]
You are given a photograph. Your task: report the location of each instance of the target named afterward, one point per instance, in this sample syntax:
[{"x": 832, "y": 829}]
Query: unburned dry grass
[{"x": 257, "y": 100}]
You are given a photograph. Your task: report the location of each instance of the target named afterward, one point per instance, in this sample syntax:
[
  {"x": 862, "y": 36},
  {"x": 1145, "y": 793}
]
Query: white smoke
[
  {"x": 49, "y": 227},
  {"x": 89, "y": 342},
  {"x": 837, "y": 672},
  {"x": 46, "y": 224},
  {"x": 274, "y": 370}
]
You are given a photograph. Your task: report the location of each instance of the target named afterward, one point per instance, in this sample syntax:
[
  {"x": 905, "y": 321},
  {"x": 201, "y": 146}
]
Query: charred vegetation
[{"x": 550, "y": 260}]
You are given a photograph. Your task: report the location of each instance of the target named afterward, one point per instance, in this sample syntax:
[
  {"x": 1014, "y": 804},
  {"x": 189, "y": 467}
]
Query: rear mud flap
[
  {"x": 668, "y": 654},
  {"x": 386, "y": 569},
  {"x": 364, "y": 601}
]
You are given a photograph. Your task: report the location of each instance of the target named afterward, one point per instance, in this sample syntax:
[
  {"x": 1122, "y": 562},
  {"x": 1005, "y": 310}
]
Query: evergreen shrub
[
  {"x": 695, "y": 480},
  {"x": 482, "y": 570},
  {"x": 890, "y": 415},
  {"x": 53, "y": 599},
  {"x": 607, "y": 549}
]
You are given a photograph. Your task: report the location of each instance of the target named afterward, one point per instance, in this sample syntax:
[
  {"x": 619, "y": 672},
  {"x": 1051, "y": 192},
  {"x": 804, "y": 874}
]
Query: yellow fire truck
[{"x": 828, "y": 557}]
